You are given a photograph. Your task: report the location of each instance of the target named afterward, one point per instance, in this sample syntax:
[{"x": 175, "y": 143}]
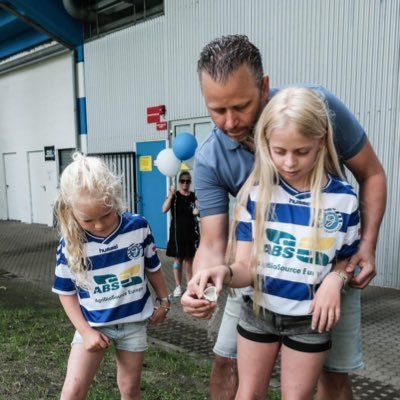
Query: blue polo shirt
[{"x": 222, "y": 164}]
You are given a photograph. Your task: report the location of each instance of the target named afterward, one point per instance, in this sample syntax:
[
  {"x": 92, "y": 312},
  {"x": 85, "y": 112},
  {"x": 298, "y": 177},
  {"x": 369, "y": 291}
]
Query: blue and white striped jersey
[
  {"x": 118, "y": 285},
  {"x": 292, "y": 269}
]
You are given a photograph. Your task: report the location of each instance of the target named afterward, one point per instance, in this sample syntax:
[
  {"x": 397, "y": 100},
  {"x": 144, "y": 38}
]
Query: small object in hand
[{"x": 210, "y": 294}]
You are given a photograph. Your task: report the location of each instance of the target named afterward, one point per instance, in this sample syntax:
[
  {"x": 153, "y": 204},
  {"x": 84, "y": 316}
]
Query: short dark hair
[
  {"x": 223, "y": 56},
  {"x": 183, "y": 173}
]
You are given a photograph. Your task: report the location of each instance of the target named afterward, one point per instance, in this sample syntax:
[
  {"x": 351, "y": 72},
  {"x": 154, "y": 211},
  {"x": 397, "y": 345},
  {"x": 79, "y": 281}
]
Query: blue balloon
[{"x": 184, "y": 146}]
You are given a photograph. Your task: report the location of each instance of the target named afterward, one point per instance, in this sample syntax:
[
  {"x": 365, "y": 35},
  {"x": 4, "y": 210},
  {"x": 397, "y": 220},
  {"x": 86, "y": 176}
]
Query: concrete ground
[{"x": 27, "y": 258}]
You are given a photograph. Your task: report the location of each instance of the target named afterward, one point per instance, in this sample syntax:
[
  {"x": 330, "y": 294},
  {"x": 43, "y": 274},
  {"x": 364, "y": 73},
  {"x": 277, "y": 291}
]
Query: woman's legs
[
  {"x": 299, "y": 373},
  {"x": 188, "y": 264},
  {"x": 82, "y": 367},
  {"x": 177, "y": 270},
  {"x": 129, "y": 369},
  {"x": 255, "y": 364}
]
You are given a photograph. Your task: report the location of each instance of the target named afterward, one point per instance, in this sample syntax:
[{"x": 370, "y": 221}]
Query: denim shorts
[
  {"x": 130, "y": 336},
  {"x": 345, "y": 354},
  {"x": 293, "y": 331}
]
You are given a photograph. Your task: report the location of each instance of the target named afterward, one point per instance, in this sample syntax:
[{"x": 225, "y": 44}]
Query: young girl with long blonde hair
[
  {"x": 296, "y": 223},
  {"x": 105, "y": 258}
]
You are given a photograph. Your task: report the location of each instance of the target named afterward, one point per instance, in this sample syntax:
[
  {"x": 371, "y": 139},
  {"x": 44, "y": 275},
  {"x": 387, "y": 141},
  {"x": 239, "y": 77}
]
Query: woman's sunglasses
[{"x": 185, "y": 181}]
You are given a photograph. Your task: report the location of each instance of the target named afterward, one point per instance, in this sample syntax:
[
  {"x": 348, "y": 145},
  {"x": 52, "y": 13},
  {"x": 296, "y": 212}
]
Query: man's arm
[
  {"x": 370, "y": 175},
  {"x": 213, "y": 241}
]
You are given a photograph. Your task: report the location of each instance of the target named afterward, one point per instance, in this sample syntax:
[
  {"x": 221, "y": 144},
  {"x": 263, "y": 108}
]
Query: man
[{"x": 235, "y": 91}]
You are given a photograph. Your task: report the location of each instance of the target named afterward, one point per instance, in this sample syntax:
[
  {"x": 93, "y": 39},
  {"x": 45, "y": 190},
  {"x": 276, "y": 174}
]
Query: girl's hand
[
  {"x": 159, "y": 314},
  {"x": 205, "y": 277},
  {"x": 94, "y": 340},
  {"x": 326, "y": 304}
]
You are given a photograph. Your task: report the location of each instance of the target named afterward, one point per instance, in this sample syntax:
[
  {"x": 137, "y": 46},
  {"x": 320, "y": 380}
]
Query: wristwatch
[{"x": 164, "y": 300}]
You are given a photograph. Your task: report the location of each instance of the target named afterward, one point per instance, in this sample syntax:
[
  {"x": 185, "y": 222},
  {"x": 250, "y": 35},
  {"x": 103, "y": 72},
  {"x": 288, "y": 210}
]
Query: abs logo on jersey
[
  {"x": 135, "y": 251},
  {"x": 332, "y": 220},
  {"x": 307, "y": 250},
  {"x": 110, "y": 282}
]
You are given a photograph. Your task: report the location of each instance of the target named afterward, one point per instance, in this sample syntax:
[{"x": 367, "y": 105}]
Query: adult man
[{"x": 235, "y": 91}]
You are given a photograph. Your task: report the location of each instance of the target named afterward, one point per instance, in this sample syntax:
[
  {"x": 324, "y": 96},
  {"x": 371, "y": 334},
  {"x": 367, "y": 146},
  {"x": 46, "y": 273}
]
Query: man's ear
[{"x": 265, "y": 88}]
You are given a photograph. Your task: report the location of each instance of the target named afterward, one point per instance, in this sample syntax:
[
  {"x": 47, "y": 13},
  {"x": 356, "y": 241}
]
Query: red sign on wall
[
  {"x": 153, "y": 118},
  {"x": 161, "y": 126},
  {"x": 154, "y": 114}
]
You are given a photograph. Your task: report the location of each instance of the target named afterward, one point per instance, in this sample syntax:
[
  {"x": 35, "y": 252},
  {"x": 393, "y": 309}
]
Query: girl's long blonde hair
[
  {"x": 88, "y": 176},
  {"x": 304, "y": 109}
]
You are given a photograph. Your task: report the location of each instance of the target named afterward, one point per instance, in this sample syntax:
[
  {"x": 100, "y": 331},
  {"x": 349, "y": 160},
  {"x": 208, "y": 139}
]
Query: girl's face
[
  {"x": 294, "y": 155},
  {"x": 95, "y": 217}
]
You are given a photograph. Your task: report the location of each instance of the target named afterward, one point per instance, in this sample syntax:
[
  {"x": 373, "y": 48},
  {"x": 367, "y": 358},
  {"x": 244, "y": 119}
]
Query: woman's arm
[{"x": 167, "y": 203}]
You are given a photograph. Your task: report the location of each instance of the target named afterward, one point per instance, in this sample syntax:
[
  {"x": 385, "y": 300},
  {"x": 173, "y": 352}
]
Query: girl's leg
[
  {"x": 255, "y": 364},
  {"x": 82, "y": 367},
  {"x": 188, "y": 268},
  {"x": 129, "y": 369},
  {"x": 299, "y": 373}
]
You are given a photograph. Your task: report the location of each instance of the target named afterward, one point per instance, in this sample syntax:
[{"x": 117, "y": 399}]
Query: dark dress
[{"x": 184, "y": 229}]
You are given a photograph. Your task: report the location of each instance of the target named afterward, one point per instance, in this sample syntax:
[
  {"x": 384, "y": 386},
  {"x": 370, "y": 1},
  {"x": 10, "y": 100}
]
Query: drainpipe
[{"x": 81, "y": 99}]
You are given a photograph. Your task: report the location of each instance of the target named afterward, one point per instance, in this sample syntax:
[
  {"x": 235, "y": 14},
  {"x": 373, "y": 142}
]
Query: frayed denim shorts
[
  {"x": 292, "y": 331},
  {"x": 345, "y": 355},
  {"x": 131, "y": 336}
]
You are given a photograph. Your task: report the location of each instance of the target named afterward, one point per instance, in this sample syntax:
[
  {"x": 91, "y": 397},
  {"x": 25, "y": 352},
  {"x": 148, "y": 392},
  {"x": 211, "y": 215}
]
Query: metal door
[
  {"x": 152, "y": 189},
  {"x": 41, "y": 207},
  {"x": 11, "y": 169}
]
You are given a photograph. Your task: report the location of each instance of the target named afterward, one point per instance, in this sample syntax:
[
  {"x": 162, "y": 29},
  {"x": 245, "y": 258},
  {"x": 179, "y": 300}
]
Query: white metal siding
[
  {"x": 124, "y": 74},
  {"x": 37, "y": 109},
  {"x": 349, "y": 46}
]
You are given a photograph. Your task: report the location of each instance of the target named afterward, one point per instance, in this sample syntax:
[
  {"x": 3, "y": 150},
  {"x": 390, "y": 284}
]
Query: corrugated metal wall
[{"x": 349, "y": 46}]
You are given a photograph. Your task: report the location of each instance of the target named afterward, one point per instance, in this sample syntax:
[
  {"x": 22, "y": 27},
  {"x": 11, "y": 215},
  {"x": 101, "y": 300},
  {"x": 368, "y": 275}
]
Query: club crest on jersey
[
  {"x": 135, "y": 251},
  {"x": 332, "y": 220}
]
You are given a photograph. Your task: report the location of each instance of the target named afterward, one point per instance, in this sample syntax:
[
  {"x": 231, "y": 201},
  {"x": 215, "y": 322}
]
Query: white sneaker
[{"x": 177, "y": 292}]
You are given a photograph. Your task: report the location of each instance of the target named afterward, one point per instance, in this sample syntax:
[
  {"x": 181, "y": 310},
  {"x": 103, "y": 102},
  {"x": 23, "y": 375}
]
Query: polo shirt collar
[{"x": 228, "y": 143}]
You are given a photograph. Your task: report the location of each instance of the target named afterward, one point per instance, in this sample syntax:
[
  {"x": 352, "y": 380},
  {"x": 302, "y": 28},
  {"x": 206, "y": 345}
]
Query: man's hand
[
  {"x": 198, "y": 308},
  {"x": 365, "y": 259}
]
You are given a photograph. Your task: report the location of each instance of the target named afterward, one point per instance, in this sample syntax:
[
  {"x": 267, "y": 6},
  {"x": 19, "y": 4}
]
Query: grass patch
[{"x": 34, "y": 348}]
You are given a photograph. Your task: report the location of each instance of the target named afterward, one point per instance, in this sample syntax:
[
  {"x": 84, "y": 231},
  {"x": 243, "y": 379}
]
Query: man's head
[{"x": 234, "y": 88}]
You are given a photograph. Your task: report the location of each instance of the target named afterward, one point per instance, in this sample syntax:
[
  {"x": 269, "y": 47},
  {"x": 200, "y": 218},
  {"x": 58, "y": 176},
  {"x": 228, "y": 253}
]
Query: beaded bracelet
[{"x": 342, "y": 275}]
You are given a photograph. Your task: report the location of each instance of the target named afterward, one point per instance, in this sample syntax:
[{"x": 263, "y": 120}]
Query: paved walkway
[{"x": 27, "y": 254}]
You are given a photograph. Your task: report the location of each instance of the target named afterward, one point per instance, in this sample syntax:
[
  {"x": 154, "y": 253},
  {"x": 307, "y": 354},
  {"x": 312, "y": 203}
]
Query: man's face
[{"x": 235, "y": 105}]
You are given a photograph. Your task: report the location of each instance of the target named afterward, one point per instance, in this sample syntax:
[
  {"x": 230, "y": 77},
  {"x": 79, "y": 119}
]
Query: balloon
[
  {"x": 167, "y": 163},
  {"x": 184, "y": 146}
]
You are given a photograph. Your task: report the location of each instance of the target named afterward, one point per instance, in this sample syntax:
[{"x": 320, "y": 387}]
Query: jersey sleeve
[
  {"x": 244, "y": 228},
  {"x": 151, "y": 261},
  {"x": 351, "y": 240},
  {"x": 63, "y": 283}
]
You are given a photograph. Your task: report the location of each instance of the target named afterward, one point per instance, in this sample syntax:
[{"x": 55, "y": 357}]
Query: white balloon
[{"x": 167, "y": 163}]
